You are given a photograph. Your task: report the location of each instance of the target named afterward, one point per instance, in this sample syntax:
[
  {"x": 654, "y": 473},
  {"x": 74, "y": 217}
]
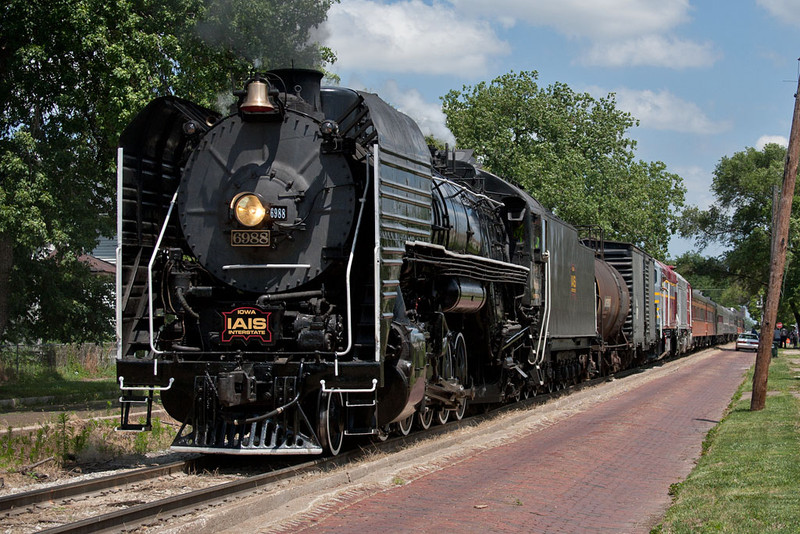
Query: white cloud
[
  {"x": 786, "y": 11},
  {"x": 651, "y": 50},
  {"x": 409, "y": 36},
  {"x": 428, "y": 116},
  {"x": 456, "y": 36},
  {"x": 663, "y": 110},
  {"x": 619, "y": 32},
  {"x": 587, "y": 18},
  {"x": 766, "y": 139}
]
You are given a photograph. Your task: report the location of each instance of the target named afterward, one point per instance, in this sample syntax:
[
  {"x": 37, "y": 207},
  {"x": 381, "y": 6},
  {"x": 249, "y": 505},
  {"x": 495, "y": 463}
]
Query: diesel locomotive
[{"x": 307, "y": 268}]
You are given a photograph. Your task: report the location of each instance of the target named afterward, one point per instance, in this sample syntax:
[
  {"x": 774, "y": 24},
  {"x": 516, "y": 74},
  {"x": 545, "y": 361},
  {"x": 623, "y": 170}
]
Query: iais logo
[{"x": 246, "y": 323}]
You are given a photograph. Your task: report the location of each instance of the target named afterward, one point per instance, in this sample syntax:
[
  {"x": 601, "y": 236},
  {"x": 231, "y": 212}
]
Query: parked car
[{"x": 747, "y": 342}]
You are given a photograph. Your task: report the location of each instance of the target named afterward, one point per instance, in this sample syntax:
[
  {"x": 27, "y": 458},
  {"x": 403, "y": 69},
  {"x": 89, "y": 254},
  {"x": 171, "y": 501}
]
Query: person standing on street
[{"x": 776, "y": 342}]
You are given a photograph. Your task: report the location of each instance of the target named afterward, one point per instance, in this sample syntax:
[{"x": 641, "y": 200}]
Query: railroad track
[
  {"x": 135, "y": 514},
  {"x": 10, "y": 502},
  {"x": 140, "y": 513}
]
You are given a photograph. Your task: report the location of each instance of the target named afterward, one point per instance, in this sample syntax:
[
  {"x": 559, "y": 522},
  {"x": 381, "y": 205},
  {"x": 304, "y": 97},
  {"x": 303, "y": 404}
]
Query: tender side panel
[{"x": 573, "y": 283}]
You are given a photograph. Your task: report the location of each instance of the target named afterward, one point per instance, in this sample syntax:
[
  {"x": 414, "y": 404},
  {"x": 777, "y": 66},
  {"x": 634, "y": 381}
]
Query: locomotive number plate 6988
[
  {"x": 250, "y": 238},
  {"x": 278, "y": 213}
]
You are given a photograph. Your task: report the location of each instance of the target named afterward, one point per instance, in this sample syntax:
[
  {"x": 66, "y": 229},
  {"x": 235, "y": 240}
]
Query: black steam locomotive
[{"x": 307, "y": 269}]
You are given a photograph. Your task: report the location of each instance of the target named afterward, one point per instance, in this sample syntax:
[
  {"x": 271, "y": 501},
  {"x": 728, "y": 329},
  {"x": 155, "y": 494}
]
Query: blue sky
[{"x": 706, "y": 79}]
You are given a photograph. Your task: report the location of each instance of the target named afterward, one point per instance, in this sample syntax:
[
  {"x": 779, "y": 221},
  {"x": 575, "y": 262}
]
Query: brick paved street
[{"x": 606, "y": 469}]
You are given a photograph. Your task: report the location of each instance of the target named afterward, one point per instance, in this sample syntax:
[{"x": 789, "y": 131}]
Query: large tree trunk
[{"x": 6, "y": 263}]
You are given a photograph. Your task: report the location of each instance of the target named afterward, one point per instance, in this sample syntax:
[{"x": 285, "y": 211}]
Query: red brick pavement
[{"x": 607, "y": 469}]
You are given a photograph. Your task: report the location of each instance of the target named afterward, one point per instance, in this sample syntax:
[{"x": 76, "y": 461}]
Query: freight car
[{"x": 307, "y": 269}]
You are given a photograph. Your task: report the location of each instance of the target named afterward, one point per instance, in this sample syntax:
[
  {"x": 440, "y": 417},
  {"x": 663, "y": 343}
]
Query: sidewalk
[{"x": 607, "y": 469}]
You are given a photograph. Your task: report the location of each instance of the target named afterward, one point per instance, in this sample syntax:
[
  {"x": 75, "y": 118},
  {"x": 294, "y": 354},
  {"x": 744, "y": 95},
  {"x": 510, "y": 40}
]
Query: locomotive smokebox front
[{"x": 262, "y": 206}]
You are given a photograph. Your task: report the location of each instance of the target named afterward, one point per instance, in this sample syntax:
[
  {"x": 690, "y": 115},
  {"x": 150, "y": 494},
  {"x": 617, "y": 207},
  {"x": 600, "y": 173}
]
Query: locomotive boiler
[{"x": 307, "y": 269}]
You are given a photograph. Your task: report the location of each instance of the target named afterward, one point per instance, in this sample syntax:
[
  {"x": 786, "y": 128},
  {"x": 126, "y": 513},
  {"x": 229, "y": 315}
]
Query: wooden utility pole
[{"x": 780, "y": 234}]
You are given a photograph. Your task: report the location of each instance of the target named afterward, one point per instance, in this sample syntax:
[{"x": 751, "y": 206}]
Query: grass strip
[
  {"x": 66, "y": 389},
  {"x": 748, "y": 477}
]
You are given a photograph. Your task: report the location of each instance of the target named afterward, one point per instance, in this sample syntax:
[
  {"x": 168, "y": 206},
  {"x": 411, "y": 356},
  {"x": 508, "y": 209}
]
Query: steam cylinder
[{"x": 462, "y": 295}]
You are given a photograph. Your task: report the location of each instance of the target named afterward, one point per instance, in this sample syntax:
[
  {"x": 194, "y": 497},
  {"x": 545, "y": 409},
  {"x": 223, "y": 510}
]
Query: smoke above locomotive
[{"x": 307, "y": 269}]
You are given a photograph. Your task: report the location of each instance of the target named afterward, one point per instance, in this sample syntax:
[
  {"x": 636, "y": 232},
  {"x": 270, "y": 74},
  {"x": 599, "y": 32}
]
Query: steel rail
[
  {"x": 9, "y": 502},
  {"x": 136, "y": 514}
]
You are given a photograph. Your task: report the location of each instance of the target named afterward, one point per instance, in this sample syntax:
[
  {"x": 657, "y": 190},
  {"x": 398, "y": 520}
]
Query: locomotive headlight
[{"x": 248, "y": 209}]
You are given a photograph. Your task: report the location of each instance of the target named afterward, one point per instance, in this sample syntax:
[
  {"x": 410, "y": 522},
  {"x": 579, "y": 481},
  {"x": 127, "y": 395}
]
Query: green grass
[
  {"x": 73, "y": 374},
  {"x": 748, "y": 478},
  {"x": 72, "y": 442},
  {"x": 66, "y": 388},
  {"x": 69, "y": 374}
]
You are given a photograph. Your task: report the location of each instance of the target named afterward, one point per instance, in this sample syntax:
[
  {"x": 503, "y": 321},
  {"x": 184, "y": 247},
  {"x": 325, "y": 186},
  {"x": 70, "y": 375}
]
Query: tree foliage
[
  {"x": 74, "y": 73},
  {"x": 740, "y": 220},
  {"x": 571, "y": 152},
  {"x": 713, "y": 278}
]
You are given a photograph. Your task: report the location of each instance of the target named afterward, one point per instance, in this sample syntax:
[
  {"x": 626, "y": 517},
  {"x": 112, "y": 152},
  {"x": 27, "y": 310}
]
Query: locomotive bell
[{"x": 257, "y": 99}]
